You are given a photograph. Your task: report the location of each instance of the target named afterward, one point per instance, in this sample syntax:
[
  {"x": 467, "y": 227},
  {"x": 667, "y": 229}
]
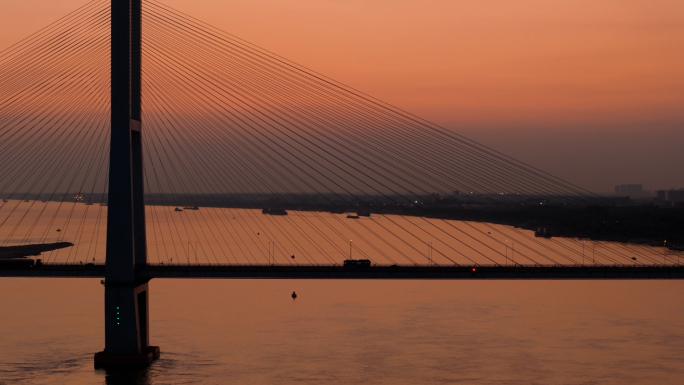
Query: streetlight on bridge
[{"x": 506, "y": 252}]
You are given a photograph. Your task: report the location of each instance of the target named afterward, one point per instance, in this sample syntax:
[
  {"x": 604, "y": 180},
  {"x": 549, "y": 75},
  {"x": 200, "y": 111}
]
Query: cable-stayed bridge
[{"x": 160, "y": 146}]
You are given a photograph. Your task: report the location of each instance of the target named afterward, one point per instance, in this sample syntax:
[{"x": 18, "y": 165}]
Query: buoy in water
[
  {"x": 294, "y": 295},
  {"x": 58, "y": 230}
]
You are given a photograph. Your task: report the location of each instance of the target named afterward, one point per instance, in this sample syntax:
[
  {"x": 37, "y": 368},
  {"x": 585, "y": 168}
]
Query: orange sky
[{"x": 517, "y": 74}]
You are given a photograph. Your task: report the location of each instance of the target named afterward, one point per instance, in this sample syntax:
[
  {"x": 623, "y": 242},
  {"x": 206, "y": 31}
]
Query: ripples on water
[{"x": 363, "y": 332}]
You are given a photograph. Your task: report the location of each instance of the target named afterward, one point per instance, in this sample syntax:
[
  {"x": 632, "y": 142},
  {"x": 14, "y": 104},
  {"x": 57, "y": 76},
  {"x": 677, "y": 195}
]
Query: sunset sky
[{"x": 591, "y": 91}]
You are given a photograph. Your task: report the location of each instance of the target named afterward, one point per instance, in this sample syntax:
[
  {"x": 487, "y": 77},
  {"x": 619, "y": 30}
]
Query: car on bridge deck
[{"x": 357, "y": 263}]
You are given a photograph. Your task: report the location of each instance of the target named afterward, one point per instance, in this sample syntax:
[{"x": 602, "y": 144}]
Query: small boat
[
  {"x": 542, "y": 232},
  {"x": 353, "y": 216},
  {"x": 276, "y": 212},
  {"x": 178, "y": 209},
  {"x": 195, "y": 207},
  {"x": 363, "y": 213}
]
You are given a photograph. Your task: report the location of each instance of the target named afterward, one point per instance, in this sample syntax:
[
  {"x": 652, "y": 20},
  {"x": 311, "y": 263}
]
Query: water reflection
[
  {"x": 127, "y": 376},
  {"x": 356, "y": 332},
  {"x": 213, "y": 235}
]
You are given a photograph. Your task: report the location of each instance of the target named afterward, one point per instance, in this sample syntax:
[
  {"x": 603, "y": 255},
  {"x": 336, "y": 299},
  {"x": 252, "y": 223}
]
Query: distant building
[
  {"x": 675, "y": 196},
  {"x": 631, "y": 190},
  {"x": 671, "y": 196}
]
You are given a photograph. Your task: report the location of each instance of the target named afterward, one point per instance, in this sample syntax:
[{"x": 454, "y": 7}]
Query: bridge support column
[
  {"x": 126, "y": 326},
  {"x": 126, "y": 297}
]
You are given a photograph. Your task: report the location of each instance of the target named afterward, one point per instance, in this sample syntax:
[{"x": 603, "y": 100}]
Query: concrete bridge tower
[{"x": 126, "y": 296}]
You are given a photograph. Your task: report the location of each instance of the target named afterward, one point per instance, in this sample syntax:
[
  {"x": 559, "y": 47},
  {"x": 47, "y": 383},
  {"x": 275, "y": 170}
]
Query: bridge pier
[
  {"x": 126, "y": 326},
  {"x": 126, "y": 297}
]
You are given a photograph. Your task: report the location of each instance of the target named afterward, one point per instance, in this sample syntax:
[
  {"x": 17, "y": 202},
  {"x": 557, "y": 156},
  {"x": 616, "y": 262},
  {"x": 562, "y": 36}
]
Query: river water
[
  {"x": 340, "y": 331},
  {"x": 355, "y": 332},
  {"x": 244, "y": 236}
]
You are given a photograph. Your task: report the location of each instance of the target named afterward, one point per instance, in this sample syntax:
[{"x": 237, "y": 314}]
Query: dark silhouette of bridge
[
  {"x": 264, "y": 146},
  {"x": 479, "y": 272}
]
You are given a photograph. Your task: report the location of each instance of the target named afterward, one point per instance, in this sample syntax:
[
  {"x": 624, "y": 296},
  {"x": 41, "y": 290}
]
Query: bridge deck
[{"x": 373, "y": 272}]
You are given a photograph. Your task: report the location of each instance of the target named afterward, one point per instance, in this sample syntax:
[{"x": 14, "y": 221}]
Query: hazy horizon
[{"x": 589, "y": 92}]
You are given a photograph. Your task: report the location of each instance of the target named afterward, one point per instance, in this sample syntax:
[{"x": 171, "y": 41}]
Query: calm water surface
[
  {"x": 243, "y": 236},
  {"x": 356, "y": 332}
]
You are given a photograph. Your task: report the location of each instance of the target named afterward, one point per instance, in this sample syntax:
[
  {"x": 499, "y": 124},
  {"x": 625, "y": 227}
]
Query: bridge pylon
[{"x": 126, "y": 296}]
